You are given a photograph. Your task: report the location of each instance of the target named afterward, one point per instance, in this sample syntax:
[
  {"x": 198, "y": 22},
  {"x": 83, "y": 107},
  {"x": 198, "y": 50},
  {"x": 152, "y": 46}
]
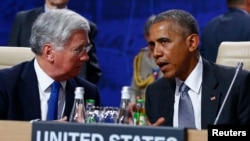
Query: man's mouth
[{"x": 162, "y": 65}]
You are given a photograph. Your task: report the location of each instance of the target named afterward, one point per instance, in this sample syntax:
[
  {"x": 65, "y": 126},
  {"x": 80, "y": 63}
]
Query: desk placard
[{"x": 56, "y": 131}]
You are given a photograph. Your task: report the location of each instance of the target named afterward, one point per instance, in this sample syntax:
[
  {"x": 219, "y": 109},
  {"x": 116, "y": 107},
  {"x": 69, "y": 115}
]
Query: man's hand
[
  {"x": 64, "y": 119},
  {"x": 159, "y": 122}
]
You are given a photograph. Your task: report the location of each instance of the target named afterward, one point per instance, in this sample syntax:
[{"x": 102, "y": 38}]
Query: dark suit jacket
[
  {"x": 21, "y": 32},
  {"x": 215, "y": 84},
  {"x": 231, "y": 26},
  {"x": 19, "y": 94}
]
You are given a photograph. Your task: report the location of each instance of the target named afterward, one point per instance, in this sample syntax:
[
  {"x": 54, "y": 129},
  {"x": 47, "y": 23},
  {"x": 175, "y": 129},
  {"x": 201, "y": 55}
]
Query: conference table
[{"x": 22, "y": 131}]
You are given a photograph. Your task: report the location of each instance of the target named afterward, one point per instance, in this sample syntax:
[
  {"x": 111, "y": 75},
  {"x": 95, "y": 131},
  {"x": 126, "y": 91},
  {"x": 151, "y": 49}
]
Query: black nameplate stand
[{"x": 57, "y": 131}]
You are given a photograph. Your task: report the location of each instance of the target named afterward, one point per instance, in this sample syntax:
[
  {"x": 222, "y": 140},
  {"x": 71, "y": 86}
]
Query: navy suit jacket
[
  {"x": 231, "y": 26},
  {"x": 21, "y": 31},
  {"x": 19, "y": 94},
  {"x": 216, "y": 80}
]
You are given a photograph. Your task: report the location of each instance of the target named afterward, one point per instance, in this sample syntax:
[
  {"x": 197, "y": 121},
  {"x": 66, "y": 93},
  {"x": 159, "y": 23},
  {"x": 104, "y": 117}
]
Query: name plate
[{"x": 57, "y": 131}]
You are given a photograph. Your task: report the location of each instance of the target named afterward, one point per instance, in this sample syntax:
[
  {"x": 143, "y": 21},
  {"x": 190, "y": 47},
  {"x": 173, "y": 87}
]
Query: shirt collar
[
  {"x": 44, "y": 80},
  {"x": 194, "y": 79}
]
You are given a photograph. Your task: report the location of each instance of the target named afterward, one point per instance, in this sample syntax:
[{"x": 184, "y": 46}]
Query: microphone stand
[{"x": 238, "y": 68}]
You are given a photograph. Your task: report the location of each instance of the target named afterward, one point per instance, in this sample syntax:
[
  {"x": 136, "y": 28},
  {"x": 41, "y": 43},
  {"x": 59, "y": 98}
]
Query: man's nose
[
  {"x": 157, "y": 51},
  {"x": 84, "y": 56}
]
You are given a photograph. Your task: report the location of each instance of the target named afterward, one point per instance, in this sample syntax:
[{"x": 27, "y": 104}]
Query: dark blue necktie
[
  {"x": 186, "y": 111},
  {"x": 53, "y": 101}
]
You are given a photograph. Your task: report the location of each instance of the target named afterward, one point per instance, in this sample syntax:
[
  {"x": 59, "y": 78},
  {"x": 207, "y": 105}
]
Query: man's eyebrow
[
  {"x": 163, "y": 39},
  {"x": 151, "y": 43}
]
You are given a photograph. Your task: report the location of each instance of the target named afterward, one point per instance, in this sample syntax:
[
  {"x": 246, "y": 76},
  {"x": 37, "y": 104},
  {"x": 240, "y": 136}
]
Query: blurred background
[{"x": 120, "y": 31}]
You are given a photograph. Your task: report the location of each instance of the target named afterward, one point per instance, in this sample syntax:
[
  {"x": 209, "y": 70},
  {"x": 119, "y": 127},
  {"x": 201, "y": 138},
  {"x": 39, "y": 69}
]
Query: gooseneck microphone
[{"x": 238, "y": 68}]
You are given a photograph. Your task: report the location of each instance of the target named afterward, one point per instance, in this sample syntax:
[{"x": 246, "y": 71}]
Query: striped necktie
[{"x": 186, "y": 111}]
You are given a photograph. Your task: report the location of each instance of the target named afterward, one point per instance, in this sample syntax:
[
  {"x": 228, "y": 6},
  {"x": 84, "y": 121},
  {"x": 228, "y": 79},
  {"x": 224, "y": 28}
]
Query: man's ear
[
  {"x": 48, "y": 52},
  {"x": 247, "y": 6},
  {"x": 193, "y": 42}
]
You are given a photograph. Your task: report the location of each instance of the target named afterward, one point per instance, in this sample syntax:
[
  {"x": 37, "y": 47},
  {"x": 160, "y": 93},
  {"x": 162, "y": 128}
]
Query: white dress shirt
[
  {"x": 44, "y": 86},
  {"x": 193, "y": 81}
]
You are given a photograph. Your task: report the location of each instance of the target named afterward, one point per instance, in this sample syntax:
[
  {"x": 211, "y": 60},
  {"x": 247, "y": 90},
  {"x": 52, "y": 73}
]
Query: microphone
[{"x": 238, "y": 68}]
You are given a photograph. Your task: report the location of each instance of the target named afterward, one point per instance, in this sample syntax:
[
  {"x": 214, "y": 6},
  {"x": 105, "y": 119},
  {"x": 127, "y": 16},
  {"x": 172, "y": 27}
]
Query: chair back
[
  {"x": 10, "y": 56},
  {"x": 231, "y": 53}
]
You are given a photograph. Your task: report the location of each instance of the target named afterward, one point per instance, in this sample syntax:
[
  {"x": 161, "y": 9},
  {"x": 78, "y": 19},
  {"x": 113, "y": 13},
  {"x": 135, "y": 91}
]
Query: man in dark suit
[
  {"x": 230, "y": 26},
  {"x": 21, "y": 31},
  {"x": 174, "y": 38},
  {"x": 59, "y": 56}
]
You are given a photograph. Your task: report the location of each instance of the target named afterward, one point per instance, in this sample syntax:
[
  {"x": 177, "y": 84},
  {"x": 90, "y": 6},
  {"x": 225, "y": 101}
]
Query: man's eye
[
  {"x": 164, "y": 41},
  {"x": 151, "y": 44},
  {"x": 78, "y": 50}
]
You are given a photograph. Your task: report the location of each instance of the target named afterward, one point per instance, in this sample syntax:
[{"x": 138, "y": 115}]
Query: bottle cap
[
  {"x": 140, "y": 100},
  {"x": 125, "y": 92},
  {"x": 79, "y": 91},
  {"x": 90, "y": 101}
]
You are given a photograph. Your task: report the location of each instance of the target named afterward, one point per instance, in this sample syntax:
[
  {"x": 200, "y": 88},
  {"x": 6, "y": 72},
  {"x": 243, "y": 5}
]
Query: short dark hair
[
  {"x": 186, "y": 23},
  {"x": 148, "y": 24}
]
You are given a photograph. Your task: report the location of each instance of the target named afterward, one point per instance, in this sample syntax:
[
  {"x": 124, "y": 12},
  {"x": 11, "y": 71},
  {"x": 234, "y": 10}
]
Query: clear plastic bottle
[
  {"x": 140, "y": 114},
  {"x": 78, "y": 109},
  {"x": 125, "y": 112}
]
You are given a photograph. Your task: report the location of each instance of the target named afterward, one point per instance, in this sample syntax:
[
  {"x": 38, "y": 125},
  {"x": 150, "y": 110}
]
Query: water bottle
[
  {"x": 125, "y": 112},
  {"x": 90, "y": 103},
  {"x": 140, "y": 114},
  {"x": 78, "y": 109},
  {"x": 91, "y": 116}
]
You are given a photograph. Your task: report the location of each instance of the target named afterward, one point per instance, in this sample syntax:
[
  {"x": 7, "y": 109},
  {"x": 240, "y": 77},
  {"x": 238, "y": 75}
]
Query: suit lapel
[
  {"x": 167, "y": 92},
  {"x": 29, "y": 93},
  {"x": 70, "y": 88},
  {"x": 211, "y": 95},
  {"x": 171, "y": 100}
]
